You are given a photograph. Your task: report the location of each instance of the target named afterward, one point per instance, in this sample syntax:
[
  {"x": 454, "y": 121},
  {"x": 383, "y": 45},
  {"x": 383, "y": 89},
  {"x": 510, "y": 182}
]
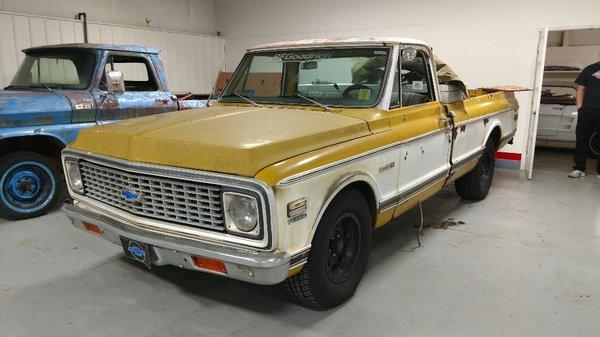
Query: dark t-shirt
[{"x": 590, "y": 79}]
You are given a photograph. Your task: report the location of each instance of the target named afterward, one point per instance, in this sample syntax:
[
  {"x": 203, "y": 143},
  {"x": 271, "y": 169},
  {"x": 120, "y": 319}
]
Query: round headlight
[
  {"x": 243, "y": 213},
  {"x": 74, "y": 176}
]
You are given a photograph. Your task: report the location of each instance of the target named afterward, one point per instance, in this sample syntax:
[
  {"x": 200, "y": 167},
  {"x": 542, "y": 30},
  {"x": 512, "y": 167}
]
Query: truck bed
[{"x": 191, "y": 101}]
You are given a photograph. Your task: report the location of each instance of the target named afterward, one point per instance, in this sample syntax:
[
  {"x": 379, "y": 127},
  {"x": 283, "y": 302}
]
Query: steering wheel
[{"x": 353, "y": 87}]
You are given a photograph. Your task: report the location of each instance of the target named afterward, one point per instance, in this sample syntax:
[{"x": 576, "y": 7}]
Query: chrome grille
[{"x": 183, "y": 202}]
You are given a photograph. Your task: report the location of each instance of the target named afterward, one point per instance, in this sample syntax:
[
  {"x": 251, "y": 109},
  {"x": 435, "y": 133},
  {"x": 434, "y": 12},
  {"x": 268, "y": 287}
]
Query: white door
[
  {"x": 535, "y": 104},
  {"x": 549, "y": 120}
]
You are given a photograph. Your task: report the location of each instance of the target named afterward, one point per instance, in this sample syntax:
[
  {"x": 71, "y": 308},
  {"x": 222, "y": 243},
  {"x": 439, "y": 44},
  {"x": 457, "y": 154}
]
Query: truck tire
[
  {"x": 475, "y": 185},
  {"x": 30, "y": 185},
  {"x": 338, "y": 255}
]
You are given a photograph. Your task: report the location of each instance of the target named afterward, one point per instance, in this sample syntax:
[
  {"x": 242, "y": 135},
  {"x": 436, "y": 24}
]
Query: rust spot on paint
[
  {"x": 463, "y": 128},
  {"x": 486, "y": 121},
  {"x": 45, "y": 120},
  {"x": 7, "y": 123}
]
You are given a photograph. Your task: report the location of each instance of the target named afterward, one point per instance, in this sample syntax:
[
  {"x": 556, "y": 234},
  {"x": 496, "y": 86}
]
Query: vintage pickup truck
[
  {"x": 312, "y": 145},
  {"x": 59, "y": 90}
]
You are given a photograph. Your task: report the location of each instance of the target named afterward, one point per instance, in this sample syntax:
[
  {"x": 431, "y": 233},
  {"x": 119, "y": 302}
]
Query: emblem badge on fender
[{"x": 386, "y": 167}]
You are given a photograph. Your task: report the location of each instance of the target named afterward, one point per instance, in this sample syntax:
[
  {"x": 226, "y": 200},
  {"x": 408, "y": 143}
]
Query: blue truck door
[{"x": 144, "y": 94}]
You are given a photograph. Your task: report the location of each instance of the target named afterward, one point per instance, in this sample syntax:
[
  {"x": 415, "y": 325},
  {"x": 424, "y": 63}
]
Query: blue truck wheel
[{"x": 30, "y": 185}]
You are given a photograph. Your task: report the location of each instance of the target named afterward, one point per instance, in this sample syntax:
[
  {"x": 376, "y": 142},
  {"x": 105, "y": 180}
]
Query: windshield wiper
[
  {"x": 245, "y": 99},
  {"x": 317, "y": 103}
]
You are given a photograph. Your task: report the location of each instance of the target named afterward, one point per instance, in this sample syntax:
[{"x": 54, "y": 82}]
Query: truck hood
[
  {"x": 225, "y": 139},
  {"x": 31, "y": 108}
]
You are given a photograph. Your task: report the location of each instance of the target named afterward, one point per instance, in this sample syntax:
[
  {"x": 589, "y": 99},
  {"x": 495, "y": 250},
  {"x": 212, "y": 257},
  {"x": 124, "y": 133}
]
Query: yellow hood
[{"x": 227, "y": 139}]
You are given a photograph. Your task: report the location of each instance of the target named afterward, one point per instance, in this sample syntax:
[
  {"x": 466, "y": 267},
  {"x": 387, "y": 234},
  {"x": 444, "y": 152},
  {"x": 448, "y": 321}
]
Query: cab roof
[
  {"x": 352, "y": 41},
  {"x": 98, "y": 46}
]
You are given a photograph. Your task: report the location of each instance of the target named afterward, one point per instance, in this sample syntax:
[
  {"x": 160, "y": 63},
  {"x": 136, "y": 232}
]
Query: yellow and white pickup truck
[{"x": 312, "y": 145}]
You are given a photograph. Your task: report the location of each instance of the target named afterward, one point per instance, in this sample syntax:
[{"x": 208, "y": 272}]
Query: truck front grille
[{"x": 182, "y": 202}]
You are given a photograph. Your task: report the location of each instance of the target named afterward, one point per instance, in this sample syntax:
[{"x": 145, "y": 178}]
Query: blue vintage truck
[{"x": 59, "y": 90}]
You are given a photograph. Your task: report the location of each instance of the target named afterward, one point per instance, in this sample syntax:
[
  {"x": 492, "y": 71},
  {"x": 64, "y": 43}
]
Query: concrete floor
[
  {"x": 560, "y": 160},
  {"x": 525, "y": 263}
]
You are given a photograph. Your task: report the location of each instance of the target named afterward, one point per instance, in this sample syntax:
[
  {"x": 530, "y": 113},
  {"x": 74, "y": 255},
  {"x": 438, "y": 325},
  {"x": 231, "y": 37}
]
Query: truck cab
[{"x": 59, "y": 90}]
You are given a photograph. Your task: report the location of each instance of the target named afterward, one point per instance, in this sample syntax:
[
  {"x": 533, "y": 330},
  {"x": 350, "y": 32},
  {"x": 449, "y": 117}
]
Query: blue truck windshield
[
  {"x": 70, "y": 69},
  {"x": 351, "y": 77}
]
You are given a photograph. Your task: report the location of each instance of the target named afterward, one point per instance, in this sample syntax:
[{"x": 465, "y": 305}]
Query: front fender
[
  {"x": 340, "y": 184},
  {"x": 64, "y": 133}
]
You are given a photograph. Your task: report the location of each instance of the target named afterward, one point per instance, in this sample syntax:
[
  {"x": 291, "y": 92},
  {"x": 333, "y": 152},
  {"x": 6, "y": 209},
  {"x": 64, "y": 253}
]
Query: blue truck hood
[{"x": 31, "y": 108}]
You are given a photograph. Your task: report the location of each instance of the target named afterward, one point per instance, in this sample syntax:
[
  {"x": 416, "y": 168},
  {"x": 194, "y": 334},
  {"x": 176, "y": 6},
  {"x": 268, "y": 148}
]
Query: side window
[
  {"x": 412, "y": 84},
  {"x": 136, "y": 72}
]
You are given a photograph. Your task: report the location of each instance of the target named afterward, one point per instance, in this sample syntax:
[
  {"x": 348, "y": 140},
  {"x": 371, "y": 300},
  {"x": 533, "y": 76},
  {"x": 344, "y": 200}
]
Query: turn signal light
[
  {"x": 209, "y": 264},
  {"x": 92, "y": 228}
]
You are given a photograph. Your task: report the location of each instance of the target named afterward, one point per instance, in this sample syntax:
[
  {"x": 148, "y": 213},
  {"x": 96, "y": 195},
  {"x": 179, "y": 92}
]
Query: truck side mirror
[{"x": 115, "y": 82}]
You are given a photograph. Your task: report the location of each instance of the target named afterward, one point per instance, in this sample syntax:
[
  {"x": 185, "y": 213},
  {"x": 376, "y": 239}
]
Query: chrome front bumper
[{"x": 241, "y": 264}]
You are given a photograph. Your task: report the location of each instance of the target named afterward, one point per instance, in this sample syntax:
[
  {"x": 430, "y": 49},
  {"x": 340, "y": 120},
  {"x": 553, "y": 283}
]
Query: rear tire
[
  {"x": 30, "y": 185},
  {"x": 475, "y": 185},
  {"x": 338, "y": 255}
]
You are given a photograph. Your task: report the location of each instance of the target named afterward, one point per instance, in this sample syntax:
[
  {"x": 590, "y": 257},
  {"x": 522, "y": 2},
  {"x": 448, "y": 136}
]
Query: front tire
[
  {"x": 338, "y": 255},
  {"x": 475, "y": 185},
  {"x": 30, "y": 185}
]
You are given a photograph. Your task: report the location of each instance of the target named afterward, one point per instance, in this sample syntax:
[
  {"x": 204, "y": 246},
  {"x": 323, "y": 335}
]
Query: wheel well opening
[
  {"x": 44, "y": 145},
  {"x": 365, "y": 189},
  {"x": 495, "y": 136}
]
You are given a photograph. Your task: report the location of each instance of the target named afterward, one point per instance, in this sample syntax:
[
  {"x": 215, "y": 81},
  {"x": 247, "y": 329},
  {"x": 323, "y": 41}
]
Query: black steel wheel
[
  {"x": 343, "y": 248},
  {"x": 338, "y": 255},
  {"x": 476, "y": 184}
]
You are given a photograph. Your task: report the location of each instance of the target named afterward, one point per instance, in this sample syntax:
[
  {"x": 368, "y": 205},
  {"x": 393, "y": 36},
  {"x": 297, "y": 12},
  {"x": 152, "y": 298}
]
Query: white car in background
[{"x": 558, "y": 113}]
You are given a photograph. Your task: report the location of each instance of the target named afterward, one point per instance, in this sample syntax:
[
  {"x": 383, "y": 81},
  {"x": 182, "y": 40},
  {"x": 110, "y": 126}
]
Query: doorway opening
[{"x": 562, "y": 55}]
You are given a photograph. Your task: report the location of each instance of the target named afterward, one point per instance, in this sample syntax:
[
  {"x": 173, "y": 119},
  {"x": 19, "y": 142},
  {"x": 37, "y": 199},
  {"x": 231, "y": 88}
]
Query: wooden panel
[
  {"x": 7, "y": 49},
  {"x": 191, "y": 61},
  {"x": 67, "y": 32}
]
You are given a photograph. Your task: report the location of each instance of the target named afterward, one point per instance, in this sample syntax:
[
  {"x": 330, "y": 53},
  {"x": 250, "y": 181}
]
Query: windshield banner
[{"x": 295, "y": 57}]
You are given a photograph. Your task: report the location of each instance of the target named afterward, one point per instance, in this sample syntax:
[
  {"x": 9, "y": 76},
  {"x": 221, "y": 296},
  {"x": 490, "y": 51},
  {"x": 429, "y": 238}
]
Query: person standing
[{"x": 588, "y": 117}]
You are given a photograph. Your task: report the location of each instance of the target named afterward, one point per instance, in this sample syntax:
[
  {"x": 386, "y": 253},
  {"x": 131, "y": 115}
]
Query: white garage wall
[
  {"x": 195, "y": 16},
  {"x": 192, "y": 61},
  {"x": 486, "y": 42}
]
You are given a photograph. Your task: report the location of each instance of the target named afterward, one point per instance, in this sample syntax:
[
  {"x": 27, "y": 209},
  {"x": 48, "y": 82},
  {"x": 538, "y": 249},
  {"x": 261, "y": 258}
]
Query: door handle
[
  {"x": 445, "y": 120},
  {"x": 450, "y": 115}
]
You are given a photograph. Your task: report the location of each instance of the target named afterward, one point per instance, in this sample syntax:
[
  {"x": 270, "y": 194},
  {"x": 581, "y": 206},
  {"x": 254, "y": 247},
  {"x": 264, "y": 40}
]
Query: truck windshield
[
  {"x": 351, "y": 77},
  {"x": 71, "y": 69}
]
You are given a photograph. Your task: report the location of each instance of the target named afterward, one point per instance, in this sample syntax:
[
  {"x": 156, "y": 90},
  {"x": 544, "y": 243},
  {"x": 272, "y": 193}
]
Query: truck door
[
  {"x": 143, "y": 94},
  {"x": 418, "y": 118}
]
